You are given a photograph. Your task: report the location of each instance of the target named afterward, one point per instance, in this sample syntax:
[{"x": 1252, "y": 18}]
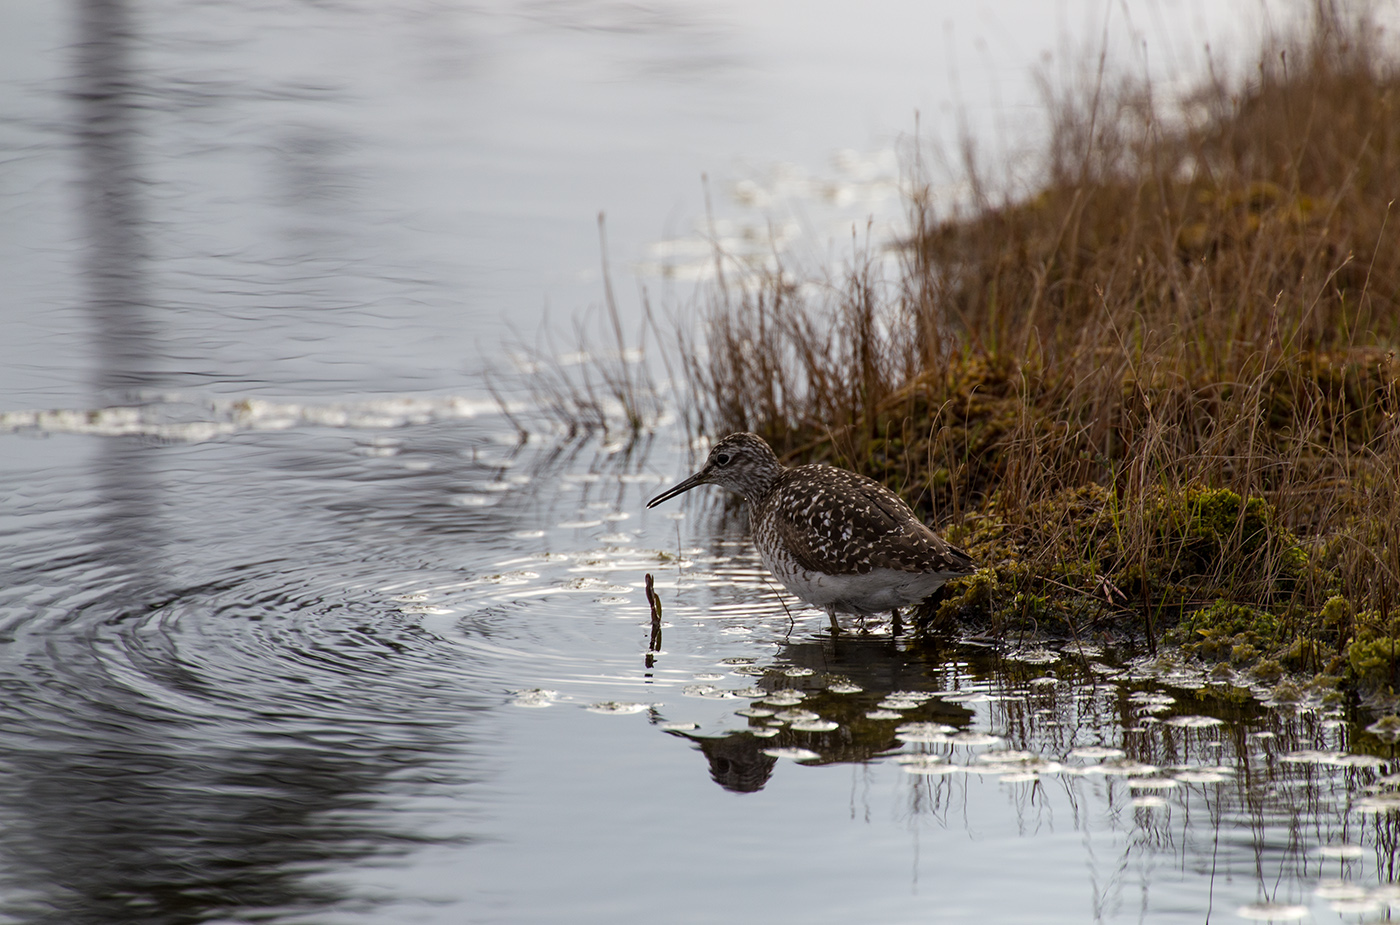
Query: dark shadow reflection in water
[
  {"x": 144, "y": 827},
  {"x": 160, "y": 761},
  {"x": 106, "y": 135}
]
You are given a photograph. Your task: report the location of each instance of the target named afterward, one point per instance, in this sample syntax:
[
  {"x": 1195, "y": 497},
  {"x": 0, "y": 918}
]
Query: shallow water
[
  {"x": 293, "y": 625},
  {"x": 369, "y": 677}
]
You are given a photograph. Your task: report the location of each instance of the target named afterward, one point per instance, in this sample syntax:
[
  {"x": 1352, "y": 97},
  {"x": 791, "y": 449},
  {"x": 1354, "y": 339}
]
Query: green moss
[
  {"x": 969, "y": 597},
  {"x": 1214, "y": 533},
  {"x": 1373, "y": 657},
  {"x": 1226, "y": 630},
  {"x": 1335, "y": 618}
]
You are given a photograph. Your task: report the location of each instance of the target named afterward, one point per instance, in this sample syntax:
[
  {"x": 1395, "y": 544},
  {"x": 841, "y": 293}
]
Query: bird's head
[{"x": 742, "y": 463}]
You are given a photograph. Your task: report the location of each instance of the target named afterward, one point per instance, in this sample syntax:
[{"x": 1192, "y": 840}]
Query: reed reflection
[{"x": 1145, "y": 761}]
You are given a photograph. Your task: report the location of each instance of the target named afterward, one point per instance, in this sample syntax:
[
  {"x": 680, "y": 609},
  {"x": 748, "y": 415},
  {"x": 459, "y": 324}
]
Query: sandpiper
[{"x": 834, "y": 538}]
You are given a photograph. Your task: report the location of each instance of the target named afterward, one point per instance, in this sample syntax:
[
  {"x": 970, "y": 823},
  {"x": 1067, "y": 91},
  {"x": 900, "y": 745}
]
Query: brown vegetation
[{"x": 1164, "y": 385}]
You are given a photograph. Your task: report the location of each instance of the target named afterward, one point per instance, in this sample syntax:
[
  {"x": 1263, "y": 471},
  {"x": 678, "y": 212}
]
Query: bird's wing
[{"x": 836, "y": 521}]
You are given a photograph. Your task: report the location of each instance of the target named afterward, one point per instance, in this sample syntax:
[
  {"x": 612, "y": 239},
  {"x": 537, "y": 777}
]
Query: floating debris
[
  {"x": 923, "y": 732},
  {"x": 1312, "y": 756},
  {"x": 617, "y": 707},
  {"x": 924, "y": 764},
  {"x": 1033, "y": 656},
  {"x": 814, "y": 725},
  {"x": 796, "y": 754},
  {"x": 1128, "y": 768},
  {"x": 754, "y": 713},
  {"x": 1192, "y": 721},
  {"x": 1149, "y": 702},
  {"x": 798, "y": 672},
  {"x": 1379, "y": 804},
  {"x": 966, "y": 697},
  {"x": 1272, "y": 912},
  {"x": 1006, "y": 755},
  {"x": 1096, "y": 752},
  {"x": 1362, "y": 761},
  {"x": 844, "y": 687},
  {"x": 707, "y": 692},
  {"x": 1185, "y": 679},
  {"x": 430, "y": 610},
  {"x": 1340, "y": 852},
  {"x": 1019, "y": 777},
  {"x": 680, "y": 727},
  {"x": 883, "y": 715},
  {"x": 904, "y": 700},
  {"x": 797, "y": 716},
  {"x": 535, "y": 698}
]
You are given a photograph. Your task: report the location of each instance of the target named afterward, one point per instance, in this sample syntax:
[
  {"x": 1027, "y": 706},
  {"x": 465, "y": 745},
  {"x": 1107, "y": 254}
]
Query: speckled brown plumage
[
  {"x": 839, "y": 522},
  {"x": 834, "y": 538}
]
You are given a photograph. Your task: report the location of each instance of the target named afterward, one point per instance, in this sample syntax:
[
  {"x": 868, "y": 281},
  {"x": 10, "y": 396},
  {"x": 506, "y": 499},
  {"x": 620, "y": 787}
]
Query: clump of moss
[
  {"x": 1215, "y": 524},
  {"x": 967, "y": 598},
  {"x": 1238, "y": 633},
  {"x": 1206, "y": 541},
  {"x": 1373, "y": 656}
]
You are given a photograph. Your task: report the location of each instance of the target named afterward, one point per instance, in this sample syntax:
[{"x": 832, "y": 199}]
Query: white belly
[{"x": 877, "y": 591}]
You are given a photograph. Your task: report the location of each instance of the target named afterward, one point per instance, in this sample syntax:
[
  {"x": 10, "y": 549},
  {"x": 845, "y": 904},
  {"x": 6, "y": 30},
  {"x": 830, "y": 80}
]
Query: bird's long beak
[{"x": 696, "y": 479}]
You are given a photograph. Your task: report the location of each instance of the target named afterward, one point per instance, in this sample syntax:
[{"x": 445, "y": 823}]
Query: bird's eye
[{"x": 722, "y": 459}]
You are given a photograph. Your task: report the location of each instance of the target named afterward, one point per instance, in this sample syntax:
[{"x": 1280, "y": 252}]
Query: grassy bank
[{"x": 1158, "y": 395}]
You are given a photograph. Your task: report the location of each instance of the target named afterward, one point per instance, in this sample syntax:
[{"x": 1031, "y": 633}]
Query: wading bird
[{"x": 834, "y": 538}]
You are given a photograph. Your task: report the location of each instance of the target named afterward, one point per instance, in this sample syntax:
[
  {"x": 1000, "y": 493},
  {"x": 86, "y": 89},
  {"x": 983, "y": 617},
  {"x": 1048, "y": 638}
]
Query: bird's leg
[
  {"x": 835, "y": 627},
  {"x": 895, "y": 625}
]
